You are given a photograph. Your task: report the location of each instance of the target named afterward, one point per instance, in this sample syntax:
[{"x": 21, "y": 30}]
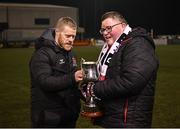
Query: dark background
[{"x": 160, "y": 15}]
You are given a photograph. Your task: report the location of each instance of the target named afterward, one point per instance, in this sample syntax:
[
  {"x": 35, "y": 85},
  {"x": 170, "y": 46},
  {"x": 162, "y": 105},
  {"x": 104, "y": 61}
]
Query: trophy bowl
[
  {"x": 90, "y": 71},
  {"x": 90, "y": 108}
]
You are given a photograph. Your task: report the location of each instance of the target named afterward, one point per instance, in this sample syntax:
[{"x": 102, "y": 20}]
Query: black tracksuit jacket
[
  {"x": 54, "y": 92},
  {"x": 127, "y": 94}
]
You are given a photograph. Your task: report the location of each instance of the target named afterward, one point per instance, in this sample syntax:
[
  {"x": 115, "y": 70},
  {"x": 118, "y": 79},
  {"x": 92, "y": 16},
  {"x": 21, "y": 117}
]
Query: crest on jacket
[{"x": 74, "y": 62}]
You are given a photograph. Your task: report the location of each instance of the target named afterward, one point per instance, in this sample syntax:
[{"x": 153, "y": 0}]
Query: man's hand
[
  {"x": 83, "y": 89},
  {"x": 86, "y": 89},
  {"x": 79, "y": 75}
]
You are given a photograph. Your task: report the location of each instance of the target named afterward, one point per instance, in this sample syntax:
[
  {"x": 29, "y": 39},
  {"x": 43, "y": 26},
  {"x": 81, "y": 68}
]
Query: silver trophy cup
[{"x": 91, "y": 75}]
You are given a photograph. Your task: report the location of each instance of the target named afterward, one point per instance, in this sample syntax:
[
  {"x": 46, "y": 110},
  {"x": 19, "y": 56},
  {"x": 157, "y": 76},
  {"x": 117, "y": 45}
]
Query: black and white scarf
[{"x": 107, "y": 53}]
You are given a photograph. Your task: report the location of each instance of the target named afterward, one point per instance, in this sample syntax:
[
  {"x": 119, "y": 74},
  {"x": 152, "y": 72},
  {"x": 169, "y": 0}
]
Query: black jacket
[
  {"x": 53, "y": 86},
  {"x": 128, "y": 92}
]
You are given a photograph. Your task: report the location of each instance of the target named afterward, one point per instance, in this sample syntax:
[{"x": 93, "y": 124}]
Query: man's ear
[{"x": 57, "y": 31}]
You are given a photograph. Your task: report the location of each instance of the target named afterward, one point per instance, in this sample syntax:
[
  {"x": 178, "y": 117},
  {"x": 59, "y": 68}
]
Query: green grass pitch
[{"x": 15, "y": 86}]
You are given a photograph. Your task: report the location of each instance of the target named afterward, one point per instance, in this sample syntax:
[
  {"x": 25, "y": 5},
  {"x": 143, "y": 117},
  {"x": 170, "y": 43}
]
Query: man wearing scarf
[{"x": 128, "y": 67}]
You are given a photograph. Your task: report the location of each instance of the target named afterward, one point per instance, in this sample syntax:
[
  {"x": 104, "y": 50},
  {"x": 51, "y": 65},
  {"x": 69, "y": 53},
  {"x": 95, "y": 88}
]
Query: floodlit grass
[
  {"x": 15, "y": 86},
  {"x": 167, "y": 98}
]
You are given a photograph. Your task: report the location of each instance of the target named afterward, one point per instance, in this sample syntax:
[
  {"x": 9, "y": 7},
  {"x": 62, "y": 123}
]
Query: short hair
[
  {"x": 113, "y": 15},
  {"x": 66, "y": 21}
]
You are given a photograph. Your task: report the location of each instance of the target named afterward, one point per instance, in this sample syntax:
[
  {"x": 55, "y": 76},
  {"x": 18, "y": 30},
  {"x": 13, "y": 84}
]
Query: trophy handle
[{"x": 82, "y": 61}]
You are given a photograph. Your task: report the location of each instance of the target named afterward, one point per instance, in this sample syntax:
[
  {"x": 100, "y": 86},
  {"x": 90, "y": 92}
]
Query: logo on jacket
[
  {"x": 61, "y": 61},
  {"x": 74, "y": 61}
]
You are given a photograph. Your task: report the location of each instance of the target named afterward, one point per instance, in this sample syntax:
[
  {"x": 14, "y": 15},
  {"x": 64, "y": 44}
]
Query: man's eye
[
  {"x": 70, "y": 36},
  {"x": 67, "y": 36},
  {"x": 108, "y": 27}
]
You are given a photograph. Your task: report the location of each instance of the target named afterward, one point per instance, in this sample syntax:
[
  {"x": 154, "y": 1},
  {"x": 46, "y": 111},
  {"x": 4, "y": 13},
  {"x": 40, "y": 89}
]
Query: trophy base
[
  {"x": 91, "y": 111},
  {"x": 91, "y": 114}
]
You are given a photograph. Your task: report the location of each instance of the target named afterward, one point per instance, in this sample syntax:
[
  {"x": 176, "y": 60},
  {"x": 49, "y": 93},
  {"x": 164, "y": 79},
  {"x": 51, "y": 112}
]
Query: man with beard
[{"x": 54, "y": 77}]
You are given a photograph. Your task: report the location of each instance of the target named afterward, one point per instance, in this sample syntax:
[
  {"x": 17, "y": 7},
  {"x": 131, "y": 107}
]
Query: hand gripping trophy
[{"x": 90, "y": 108}]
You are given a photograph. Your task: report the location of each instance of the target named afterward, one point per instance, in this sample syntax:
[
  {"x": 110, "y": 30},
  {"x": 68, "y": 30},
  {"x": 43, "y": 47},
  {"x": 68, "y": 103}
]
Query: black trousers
[{"x": 53, "y": 118}]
